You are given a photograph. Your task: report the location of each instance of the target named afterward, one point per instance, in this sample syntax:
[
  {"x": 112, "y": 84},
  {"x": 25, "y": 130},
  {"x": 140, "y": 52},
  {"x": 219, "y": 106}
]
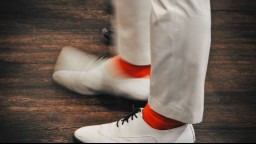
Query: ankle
[
  {"x": 123, "y": 68},
  {"x": 158, "y": 121}
]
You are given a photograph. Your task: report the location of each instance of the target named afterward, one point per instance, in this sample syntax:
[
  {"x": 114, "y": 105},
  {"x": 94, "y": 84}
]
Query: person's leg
[
  {"x": 133, "y": 30},
  {"x": 180, "y": 49},
  {"x": 132, "y": 37},
  {"x": 181, "y": 36}
]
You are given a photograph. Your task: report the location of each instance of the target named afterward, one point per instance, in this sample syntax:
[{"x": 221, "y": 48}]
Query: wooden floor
[{"x": 35, "y": 109}]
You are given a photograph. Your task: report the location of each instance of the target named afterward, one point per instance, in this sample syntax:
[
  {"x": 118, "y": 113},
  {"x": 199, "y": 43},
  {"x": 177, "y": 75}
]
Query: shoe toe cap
[
  {"x": 71, "y": 80},
  {"x": 74, "y": 59},
  {"x": 87, "y": 134}
]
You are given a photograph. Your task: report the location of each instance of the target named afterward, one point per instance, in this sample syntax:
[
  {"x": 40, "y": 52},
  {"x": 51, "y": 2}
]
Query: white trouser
[{"x": 175, "y": 39}]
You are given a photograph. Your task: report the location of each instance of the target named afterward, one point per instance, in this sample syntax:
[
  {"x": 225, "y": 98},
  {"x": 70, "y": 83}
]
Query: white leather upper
[{"x": 135, "y": 131}]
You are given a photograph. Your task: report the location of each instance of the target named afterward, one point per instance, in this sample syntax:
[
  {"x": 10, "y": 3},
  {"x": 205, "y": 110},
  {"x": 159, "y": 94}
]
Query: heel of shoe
[
  {"x": 193, "y": 132},
  {"x": 188, "y": 135}
]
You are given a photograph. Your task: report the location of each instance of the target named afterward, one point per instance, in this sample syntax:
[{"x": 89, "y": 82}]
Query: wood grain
[{"x": 35, "y": 109}]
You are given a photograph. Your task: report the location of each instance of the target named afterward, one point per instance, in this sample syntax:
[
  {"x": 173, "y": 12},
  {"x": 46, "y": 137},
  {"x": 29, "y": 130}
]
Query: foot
[
  {"x": 88, "y": 75},
  {"x": 133, "y": 129}
]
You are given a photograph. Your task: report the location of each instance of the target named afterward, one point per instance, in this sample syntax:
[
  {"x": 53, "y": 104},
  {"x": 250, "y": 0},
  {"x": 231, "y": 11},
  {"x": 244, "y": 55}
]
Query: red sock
[
  {"x": 131, "y": 70},
  {"x": 158, "y": 121}
]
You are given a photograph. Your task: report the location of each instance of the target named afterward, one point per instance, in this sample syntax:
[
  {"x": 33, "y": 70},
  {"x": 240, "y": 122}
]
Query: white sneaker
[
  {"x": 133, "y": 129},
  {"x": 91, "y": 77}
]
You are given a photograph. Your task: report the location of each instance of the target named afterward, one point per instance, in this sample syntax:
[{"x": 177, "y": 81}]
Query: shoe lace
[
  {"x": 100, "y": 60},
  {"x": 131, "y": 115}
]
